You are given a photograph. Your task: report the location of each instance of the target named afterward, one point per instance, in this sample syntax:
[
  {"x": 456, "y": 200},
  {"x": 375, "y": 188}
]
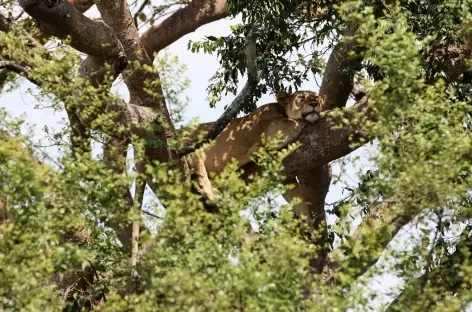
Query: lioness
[{"x": 242, "y": 136}]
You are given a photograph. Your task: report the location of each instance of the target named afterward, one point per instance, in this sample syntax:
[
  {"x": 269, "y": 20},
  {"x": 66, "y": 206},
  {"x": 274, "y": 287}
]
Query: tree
[{"x": 72, "y": 229}]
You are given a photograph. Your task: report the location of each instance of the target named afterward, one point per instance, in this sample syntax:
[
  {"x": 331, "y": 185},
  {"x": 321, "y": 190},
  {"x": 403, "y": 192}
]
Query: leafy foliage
[
  {"x": 284, "y": 30},
  {"x": 58, "y": 247}
]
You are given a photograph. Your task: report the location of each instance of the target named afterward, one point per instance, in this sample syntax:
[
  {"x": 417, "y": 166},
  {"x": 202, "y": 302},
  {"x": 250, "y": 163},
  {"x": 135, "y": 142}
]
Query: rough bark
[
  {"x": 338, "y": 76},
  {"x": 92, "y": 37},
  {"x": 325, "y": 141},
  {"x": 82, "y": 5}
]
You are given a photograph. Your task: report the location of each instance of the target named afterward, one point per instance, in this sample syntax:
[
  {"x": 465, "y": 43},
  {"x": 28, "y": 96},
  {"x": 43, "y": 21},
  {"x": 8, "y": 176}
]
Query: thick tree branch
[
  {"x": 451, "y": 59},
  {"x": 182, "y": 22},
  {"x": 339, "y": 73},
  {"x": 82, "y": 5},
  {"x": 308, "y": 167},
  {"x": 92, "y": 37},
  {"x": 118, "y": 16},
  {"x": 185, "y": 20},
  {"x": 323, "y": 142}
]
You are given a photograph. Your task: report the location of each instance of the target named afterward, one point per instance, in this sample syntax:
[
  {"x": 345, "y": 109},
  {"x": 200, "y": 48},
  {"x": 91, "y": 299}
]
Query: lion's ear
[{"x": 282, "y": 97}]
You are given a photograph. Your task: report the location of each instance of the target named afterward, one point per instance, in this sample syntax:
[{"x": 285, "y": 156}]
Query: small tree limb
[
  {"x": 20, "y": 70},
  {"x": 243, "y": 99}
]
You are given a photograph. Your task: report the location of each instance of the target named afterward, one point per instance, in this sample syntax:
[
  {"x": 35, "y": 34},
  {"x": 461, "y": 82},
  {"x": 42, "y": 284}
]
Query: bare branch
[
  {"x": 182, "y": 22},
  {"x": 148, "y": 213}
]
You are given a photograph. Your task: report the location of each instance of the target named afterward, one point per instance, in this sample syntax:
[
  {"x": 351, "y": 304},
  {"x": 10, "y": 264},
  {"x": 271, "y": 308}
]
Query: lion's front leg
[
  {"x": 203, "y": 184},
  {"x": 289, "y": 128}
]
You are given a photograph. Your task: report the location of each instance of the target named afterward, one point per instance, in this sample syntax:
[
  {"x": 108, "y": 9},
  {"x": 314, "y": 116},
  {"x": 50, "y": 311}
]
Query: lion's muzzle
[{"x": 312, "y": 110}]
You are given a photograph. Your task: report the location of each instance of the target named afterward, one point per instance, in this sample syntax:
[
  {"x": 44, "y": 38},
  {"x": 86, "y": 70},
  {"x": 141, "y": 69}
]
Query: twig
[
  {"x": 4, "y": 64},
  {"x": 136, "y": 15},
  {"x": 151, "y": 214}
]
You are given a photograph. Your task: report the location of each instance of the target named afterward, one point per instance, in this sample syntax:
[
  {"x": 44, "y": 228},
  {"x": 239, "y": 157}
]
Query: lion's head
[{"x": 301, "y": 105}]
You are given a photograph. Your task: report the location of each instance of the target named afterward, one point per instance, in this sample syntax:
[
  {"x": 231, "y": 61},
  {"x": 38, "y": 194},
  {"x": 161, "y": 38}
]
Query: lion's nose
[{"x": 308, "y": 110}]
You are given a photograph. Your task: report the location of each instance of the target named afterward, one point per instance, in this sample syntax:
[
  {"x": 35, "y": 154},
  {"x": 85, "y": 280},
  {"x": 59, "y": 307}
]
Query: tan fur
[{"x": 242, "y": 136}]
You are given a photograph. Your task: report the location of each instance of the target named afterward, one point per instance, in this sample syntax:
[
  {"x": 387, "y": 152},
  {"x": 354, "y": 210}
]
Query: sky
[{"x": 200, "y": 68}]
